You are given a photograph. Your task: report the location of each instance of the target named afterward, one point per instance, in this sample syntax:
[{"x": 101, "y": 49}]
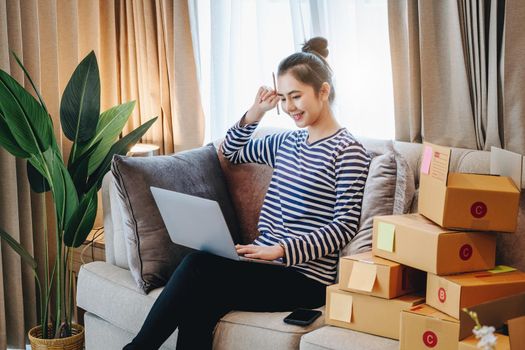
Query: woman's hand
[
  {"x": 265, "y": 100},
  {"x": 260, "y": 252}
]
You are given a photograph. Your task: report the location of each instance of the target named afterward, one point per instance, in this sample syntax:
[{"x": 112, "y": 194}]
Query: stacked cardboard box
[
  {"x": 470, "y": 205},
  {"x": 448, "y": 239},
  {"x": 371, "y": 294}
]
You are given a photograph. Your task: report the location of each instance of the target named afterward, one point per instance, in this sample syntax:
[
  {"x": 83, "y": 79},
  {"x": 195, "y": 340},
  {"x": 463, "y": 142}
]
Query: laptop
[{"x": 198, "y": 223}]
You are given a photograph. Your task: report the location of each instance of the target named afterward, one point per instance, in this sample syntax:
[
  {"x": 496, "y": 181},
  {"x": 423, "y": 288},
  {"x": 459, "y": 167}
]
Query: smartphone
[{"x": 302, "y": 317}]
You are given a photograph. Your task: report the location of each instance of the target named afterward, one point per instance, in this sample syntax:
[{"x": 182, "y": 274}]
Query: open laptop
[{"x": 198, "y": 223}]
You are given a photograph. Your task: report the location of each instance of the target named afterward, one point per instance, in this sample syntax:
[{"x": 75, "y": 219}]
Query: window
[{"x": 238, "y": 44}]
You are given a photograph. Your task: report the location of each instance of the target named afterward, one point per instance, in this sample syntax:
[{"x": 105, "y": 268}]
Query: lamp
[{"x": 143, "y": 150}]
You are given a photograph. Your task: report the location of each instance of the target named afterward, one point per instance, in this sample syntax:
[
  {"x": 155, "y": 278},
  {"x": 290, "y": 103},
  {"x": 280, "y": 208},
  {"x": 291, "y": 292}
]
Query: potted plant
[{"x": 26, "y": 131}]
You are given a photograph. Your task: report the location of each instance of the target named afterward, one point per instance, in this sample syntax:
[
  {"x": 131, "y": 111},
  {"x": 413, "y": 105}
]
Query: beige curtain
[
  {"x": 451, "y": 61},
  {"x": 144, "y": 53}
]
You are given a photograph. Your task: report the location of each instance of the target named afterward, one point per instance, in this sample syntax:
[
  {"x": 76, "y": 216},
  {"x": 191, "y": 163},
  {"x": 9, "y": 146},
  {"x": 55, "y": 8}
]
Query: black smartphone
[{"x": 302, "y": 317}]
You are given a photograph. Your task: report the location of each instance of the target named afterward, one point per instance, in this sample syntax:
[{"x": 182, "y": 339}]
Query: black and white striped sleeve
[{"x": 239, "y": 147}]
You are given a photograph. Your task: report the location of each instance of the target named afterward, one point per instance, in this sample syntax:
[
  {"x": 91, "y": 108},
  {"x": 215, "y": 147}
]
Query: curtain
[
  {"x": 148, "y": 31},
  {"x": 238, "y": 44},
  {"x": 451, "y": 62},
  {"x": 141, "y": 47}
]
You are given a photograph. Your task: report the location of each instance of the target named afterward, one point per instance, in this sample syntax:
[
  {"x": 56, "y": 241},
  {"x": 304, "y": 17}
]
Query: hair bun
[{"x": 317, "y": 45}]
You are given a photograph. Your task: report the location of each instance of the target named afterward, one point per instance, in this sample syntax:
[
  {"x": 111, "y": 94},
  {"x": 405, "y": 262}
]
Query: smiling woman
[{"x": 310, "y": 212}]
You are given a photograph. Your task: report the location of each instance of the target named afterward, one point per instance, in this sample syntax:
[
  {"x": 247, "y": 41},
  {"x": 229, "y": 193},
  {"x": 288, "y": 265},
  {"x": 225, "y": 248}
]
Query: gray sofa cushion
[
  {"x": 108, "y": 292},
  {"x": 240, "y": 330},
  {"x": 389, "y": 189},
  {"x": 247, "y": 184},
  {"x": 335, "y": 338},
  {"x": 152, "y": 256}
]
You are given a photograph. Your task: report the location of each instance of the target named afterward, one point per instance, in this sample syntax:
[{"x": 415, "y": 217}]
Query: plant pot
[{"x": 74, "y": 342}]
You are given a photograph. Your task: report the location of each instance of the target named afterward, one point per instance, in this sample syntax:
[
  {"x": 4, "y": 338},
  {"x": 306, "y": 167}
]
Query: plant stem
[
  {"x": 58, "y": 296},
  {"x": 44, "y": 304},
  {"x": 70, "y": 253}
]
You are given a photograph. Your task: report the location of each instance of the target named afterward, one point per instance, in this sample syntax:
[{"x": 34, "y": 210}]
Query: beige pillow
[{"x": 389, "y": 189}]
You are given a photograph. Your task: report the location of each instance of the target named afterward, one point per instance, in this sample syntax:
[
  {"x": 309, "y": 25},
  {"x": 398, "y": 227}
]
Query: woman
[{"x": 310, "y": 212}]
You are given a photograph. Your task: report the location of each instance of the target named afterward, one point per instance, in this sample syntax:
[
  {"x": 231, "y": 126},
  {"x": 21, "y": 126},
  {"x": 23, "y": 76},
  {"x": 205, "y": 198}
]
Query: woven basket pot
[{"x": 74, "y": 342}]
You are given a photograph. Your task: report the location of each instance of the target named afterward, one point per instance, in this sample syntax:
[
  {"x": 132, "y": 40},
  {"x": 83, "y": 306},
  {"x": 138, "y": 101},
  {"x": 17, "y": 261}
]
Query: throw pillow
[
  {"x": 389, "y": 189},
  {"x": 152, "y": 256},
  {"x": 247, "y": 184}
]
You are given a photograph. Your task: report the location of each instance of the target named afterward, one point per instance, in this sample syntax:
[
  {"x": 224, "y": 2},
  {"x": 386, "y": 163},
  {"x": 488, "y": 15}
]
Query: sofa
[{"x": 117, "y": 298}]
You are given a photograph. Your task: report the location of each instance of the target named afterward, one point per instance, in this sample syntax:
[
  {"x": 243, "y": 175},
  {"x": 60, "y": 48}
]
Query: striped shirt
[{"x": 313, "y": 203}]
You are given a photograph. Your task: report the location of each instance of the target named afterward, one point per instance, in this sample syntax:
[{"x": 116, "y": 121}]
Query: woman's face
[{"x": 300, "y": 101}]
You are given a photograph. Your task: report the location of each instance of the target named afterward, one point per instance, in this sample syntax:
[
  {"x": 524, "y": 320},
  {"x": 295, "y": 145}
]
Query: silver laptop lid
[{"x": 195, "y": 222}]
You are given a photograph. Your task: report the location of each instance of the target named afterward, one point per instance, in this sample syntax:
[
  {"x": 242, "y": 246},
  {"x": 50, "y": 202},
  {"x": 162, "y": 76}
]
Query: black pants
[{"x": 205, "y": 287}]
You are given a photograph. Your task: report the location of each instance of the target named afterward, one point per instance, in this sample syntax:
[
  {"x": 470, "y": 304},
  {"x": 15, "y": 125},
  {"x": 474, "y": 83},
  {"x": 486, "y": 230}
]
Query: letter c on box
[
  {"x": 465, "y": 252},
  {"x": 478, "y": 210},
  {"x": 430, "y": 339}
]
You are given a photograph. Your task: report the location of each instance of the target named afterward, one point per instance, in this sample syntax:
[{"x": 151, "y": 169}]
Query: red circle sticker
[
  {"x": 442, "y": 295},
  {"x": 478, "y": 210},
  {"x": 465, "y": 252},
  {"x": 430, "y": 339}
]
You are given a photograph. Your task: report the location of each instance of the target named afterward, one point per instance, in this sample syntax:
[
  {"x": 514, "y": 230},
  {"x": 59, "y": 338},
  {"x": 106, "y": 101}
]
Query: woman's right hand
[{"x": 265, "y": 100}]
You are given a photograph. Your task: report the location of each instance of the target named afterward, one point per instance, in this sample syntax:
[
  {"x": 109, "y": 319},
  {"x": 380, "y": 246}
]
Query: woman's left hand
[{"x": 260, "y": 252}]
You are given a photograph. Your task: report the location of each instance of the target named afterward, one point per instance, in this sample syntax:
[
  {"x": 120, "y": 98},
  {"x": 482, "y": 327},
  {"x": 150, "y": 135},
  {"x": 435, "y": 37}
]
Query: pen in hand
[{"x": 275, "y": 89}]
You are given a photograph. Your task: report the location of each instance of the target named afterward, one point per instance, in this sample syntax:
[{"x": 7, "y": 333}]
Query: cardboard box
[
  {"x": 371, "y": 275},
  {"x": 496, "y": 313},
  {"x": 502, "y": 343},
  {"x": 450, "y": 294},
  {"x": 517, "y": 332},
  {"x": 415, "y": 241},
  {"x": 443, "y": 331},
  {"x": 423, "y": 327},
  {"x": 367, "y": 313},
  {"x": 470, "y": 201}
]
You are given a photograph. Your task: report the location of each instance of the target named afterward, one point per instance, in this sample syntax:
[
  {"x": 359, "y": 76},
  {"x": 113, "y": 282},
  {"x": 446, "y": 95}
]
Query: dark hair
[{"x": 310, "y": 66}]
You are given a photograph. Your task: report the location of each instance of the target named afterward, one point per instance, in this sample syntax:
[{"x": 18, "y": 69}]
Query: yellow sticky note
[
  {"x": 341, "y": 307},
  {"x": 501, "y": 269},
  {"x": 363, "y": 276},
  {"x": 385, "y": 236}
]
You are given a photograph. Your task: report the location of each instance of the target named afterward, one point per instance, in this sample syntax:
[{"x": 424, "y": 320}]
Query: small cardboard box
[
  {"x": 371, "y": 275},
  {"x": 423, "y": 327},
  {"x": 423, "y": 324},
  {"x": 517, "y": 332},
  {"x": 507, "y": 310},
  {"x": 367, "y": 313},
  {"x": 415, "y": 241},
  {"x": 450, "y": 294},
  {"x": 502, "y": 343},
  {"x": 470, "y": 201}
]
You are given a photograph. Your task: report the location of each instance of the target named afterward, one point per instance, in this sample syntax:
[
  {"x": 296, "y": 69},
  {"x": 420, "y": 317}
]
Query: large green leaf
[
  {"x": 109, "y": 127},
  {"x": 121, "y": 147},
  {"x": 31, "y": 82},
  {"x": 80, "y": 104},
  {"x": 79, "y": 169},
  {"x": 81, "y": 223},
  {"x": 28, "y": 121},
  {"x": 40, "y": 99},
  {"x": 37, "y": 181},
  {"x": 7, "y": 140},
  {"x": 18, "y": 248},
  {"x": 64, "y": 192}
]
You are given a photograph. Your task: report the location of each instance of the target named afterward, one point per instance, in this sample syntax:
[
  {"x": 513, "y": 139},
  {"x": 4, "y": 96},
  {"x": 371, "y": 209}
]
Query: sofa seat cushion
[
  {"x": 110, "y": 293},
  {"x": 259, "y": 330},
  {"x": 336, "y": 338}
]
